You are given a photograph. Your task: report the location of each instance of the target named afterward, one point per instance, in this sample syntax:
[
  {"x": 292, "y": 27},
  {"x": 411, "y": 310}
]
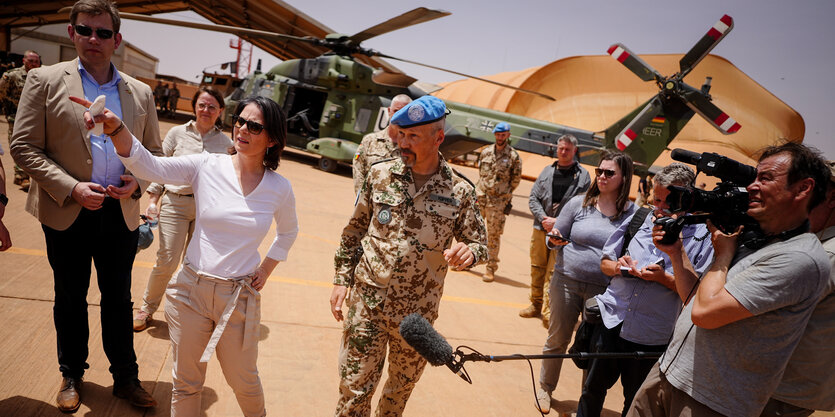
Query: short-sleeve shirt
[
  {"x": 588, "y": 229},
  {"x": 734, "y": 369}
]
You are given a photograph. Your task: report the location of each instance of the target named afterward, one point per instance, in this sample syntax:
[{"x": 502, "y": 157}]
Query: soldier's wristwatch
[{"x": 4, "y": 199}]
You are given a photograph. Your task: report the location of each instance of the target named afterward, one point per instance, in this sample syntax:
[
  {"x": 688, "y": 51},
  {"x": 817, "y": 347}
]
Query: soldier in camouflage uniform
[
  {"x": 394, "y": 255},
  {"x": 11, "y": 85},
  {"x": 499, "y": 173},
  {"x": 377, "y": 146}
]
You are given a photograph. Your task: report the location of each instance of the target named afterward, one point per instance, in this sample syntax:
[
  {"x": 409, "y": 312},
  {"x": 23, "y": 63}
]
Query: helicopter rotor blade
[
  {"x": 634, "y": 63},
  {"x": 641, "y": 120},
  {"x": 712, "y": 38},
  {"x": 714, "y": 115},
  {"x": 413, "y": 17},
  {"x": 524, "y": 90},
  {"x": 392, "y": 79},
  {"x": 221, "y": 28}
]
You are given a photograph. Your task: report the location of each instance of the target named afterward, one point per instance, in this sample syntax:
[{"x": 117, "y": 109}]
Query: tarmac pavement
[{"x": 299, "y": 337}]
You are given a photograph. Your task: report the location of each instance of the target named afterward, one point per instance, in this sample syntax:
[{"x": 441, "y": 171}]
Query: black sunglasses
[
  {"x": 253, "y": 127},
  {"x": 608, "y": 173},
  {"x": 87, "y": 31}
]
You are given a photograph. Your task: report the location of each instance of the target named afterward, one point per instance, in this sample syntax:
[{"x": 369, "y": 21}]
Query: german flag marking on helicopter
[
  {"x": 625, "y": 139},
  {"x": 658, "y": 119},
  {"x": 720, "y": 27},
  {"x": 726, "y": 123},
  {"x": 618, "y": 53}
]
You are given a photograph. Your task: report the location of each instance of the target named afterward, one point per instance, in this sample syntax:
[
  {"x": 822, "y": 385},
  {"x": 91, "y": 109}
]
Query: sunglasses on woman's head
[
  {"x": 608, "y": 173},
  {"x": 87, "y": 31},
  {"x": 253, "y": 127}
]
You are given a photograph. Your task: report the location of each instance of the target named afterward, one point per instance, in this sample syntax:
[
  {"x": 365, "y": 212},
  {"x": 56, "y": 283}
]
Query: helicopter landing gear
[{"x": 327, "y": 164}]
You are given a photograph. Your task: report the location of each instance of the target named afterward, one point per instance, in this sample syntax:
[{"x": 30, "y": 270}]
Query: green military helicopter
[{"x": 334, "y": 99}]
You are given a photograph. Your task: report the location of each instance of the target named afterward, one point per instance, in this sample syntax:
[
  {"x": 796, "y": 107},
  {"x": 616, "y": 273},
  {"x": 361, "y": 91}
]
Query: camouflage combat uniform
[
  {"x": 11, "y": 85},
  {"x": 374, "y": 147},
  {"x": 499, "y": 173},
  {"x": 391, "y": 257}
]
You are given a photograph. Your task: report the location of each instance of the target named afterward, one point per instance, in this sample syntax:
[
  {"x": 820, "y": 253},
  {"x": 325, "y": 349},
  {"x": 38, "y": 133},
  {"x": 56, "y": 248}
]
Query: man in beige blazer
[{"x": 87, "y": 203}]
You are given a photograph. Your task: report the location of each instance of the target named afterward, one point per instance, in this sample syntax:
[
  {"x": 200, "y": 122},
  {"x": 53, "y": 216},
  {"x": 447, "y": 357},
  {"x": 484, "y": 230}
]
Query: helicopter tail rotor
[
  {"x": 697, "y": 101},
  {"x": 630, "y": 132},
  {"x": 634, "y": 63},
  {"x": 712, "y": 38},
  {"x": 674, "y": 94}
]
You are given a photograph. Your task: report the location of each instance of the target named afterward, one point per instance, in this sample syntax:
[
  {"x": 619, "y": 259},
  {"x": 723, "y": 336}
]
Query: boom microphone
[{"x": 420, "y": 335}]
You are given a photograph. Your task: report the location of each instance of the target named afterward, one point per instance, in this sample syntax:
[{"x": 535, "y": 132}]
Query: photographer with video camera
[
  {"x": 640, "y": 305},
  {"x": 735, "y": 335}
]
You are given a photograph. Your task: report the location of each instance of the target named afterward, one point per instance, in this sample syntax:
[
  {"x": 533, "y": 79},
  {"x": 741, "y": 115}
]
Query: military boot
[
  {"x": 533, "y": 310},
  {"x": 489, "y": 276}
]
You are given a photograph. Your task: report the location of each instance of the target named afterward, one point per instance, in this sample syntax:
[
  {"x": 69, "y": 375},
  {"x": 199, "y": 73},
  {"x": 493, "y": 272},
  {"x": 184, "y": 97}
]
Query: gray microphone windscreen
[{"x": 420, "y": 335}]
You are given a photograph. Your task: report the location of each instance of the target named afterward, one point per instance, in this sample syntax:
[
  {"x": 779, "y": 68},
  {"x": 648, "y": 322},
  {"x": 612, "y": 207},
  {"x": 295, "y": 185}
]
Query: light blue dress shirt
[
  {"x": 106, "y": 164},
  {"x": 648, "y": 309}
]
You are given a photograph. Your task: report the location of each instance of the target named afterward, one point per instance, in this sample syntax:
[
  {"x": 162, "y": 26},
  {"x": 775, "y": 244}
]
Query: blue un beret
[
  {"x": 424, "y": 110},
  {"x": 501, "y": 127}
]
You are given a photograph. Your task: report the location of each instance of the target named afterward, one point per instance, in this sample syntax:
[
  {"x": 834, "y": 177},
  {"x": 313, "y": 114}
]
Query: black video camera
[{"x": 725, "y": 206}]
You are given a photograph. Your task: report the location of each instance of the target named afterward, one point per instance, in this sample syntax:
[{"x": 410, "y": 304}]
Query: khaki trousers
[
  {"x": 542, "y": 267},
  {"x": 657, "y": 397},
  {"x": 176, "y": 225},
  {"x": 494, "y": 219},
  {"x": 195, "y": 303}
]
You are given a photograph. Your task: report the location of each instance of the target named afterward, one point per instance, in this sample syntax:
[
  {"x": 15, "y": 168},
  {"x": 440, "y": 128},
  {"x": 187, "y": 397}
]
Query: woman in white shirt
[
  {"x": 237, "y": 197},
  {"x": 173, "y": 205}
]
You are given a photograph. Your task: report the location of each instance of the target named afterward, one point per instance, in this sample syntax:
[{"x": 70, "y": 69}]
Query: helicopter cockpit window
[
  {"x": 266, "y": 89},
  {"x": 363, "y": 116},
  {"x": 221, "y": 81}
]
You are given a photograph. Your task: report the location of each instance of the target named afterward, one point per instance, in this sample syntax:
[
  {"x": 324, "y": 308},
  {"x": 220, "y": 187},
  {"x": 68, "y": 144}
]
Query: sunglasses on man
[
  {"x": 87, "y": 31},
  {"x": 606, "y": 173},
  {"x": 253, "y": 127}
]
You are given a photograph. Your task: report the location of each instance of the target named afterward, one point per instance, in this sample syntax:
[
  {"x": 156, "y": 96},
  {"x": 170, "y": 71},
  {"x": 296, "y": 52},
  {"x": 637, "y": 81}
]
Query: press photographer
[{"x": 736, "y": 334}]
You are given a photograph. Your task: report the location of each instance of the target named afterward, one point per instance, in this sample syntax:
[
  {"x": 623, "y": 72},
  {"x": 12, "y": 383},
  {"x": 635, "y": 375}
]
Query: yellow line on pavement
[{"x": 299, "y": 281}]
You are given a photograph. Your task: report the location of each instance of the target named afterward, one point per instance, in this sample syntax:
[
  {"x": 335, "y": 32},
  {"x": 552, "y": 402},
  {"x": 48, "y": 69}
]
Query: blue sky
[{"x": 784, "y": 46}]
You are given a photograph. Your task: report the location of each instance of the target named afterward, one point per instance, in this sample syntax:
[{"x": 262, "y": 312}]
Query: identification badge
[
  {"x": 444, "y": 199},
  {"x": 384, "y": 216}
]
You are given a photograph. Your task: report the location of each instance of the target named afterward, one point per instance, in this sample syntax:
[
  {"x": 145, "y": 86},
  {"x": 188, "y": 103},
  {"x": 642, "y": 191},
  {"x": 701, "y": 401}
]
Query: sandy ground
[{"x": 299, "y": 337}]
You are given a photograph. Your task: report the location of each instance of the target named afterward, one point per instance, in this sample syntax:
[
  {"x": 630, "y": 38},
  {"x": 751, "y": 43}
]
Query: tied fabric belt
[{"x": 250, "y": 325}]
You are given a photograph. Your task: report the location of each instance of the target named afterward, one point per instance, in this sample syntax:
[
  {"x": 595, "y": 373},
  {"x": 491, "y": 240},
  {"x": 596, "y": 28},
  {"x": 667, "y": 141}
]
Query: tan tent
[{"x": 593, "y": 92}]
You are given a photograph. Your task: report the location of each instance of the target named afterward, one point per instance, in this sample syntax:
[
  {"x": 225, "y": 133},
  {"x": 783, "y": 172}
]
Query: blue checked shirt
[{"x": 648, "y": 310}]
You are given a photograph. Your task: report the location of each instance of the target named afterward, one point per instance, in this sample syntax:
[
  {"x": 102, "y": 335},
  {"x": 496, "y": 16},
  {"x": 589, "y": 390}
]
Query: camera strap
[
  {"x": 634, "y": 224},
  {"x": 757, "y": 240}
]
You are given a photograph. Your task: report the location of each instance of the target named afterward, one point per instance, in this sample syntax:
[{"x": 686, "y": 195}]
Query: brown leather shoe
[
  {"x": 532, "y": 310},
  {"x": 141, "y": 320},
  {"x": 135, "y": 394},
  {"x": 69, "y": 398}
]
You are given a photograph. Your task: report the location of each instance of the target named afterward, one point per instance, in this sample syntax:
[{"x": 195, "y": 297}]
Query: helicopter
[{"x": 334, "y": 99}]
